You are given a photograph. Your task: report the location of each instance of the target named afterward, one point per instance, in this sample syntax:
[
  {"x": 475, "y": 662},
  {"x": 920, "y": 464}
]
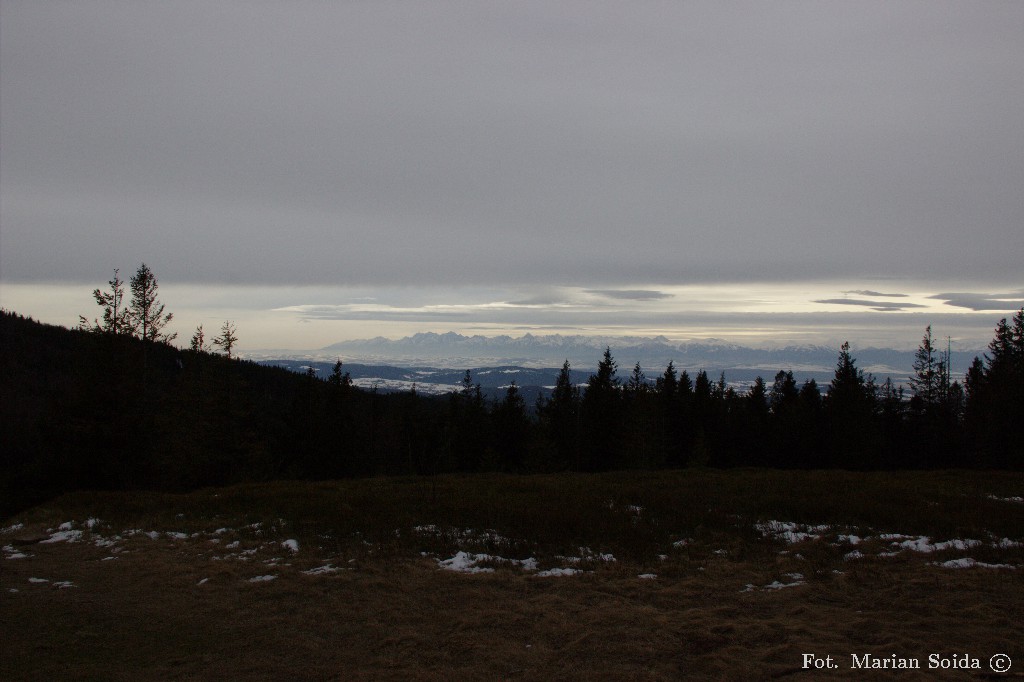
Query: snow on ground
[
  {"x": 466, "y": 562},
  {"x": 970, "y": 563},
  {"x": 64, "y": 534},
  {"x": 925, "y": 545},
  {"x": 323, "y": 570},
  {"x": 256, "y": 543},
  {"x": 558, "y": 572},
  {"x": 12, "y": 553},
  {"x": 1014, "y": 500},
  {"x": 460, "y": 535},
  {"x": 586, "y": 554},
  {"x": 791, "y": 532},
  {"x": 797, "y": 579},
  {"x": 263, "y": 578}
]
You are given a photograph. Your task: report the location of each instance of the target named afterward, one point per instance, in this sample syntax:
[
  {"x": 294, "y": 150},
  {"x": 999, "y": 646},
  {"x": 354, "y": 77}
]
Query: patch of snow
[
  {"x": 18, "y": 555},
  {"x": 38, "y": 580},
  {"x": 855, "y": 554},
  {"x": 586, "y": 554},
  {"x": 322, "y": 570},
  {"x": 64, "y": 535},
  {"x": 221, "y": 531},
  {"x": 682, "y": 543},
  {"x": 648, "y": 576},
  {"x": 67, "y": 525},
  {"x": 12, "y": 529},
  {"x": 1007, "y": 543},
  {"x": 263, "y": 578},
  {"x": 232, "y": 545},
  {"x": 92, "y": 522},
  {"x": 466, "y": 562},
  {"x": 463, "y": 562},
  {"x": 851, "y": 539},
  {"x": 177, "y": 536},
  {"x": 970, "y": 563},
  {"x": 790, "y": 532},
  {"x": 925, "y": 545},
  {"x": 291, "y": 545},
  {"x": 64, "y": 584},
  {"x": 797, "y": 578},
  {"x": 1014, "y": 500},
  {"x": 558, "y": 572},
  {"x": 203, "y": 581},
  {"x": 152, "y": 534}
]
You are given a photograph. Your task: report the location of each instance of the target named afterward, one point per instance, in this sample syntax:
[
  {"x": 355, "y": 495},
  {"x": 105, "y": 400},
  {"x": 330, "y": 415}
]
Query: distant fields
[{"x": 695, "y": 574}]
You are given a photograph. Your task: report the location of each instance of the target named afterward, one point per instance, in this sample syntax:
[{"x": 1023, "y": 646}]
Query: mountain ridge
[{"x": 451, "y": 349}]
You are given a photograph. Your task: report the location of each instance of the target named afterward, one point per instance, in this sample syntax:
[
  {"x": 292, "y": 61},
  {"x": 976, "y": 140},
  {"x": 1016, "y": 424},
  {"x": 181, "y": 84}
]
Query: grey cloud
[
  {"x": 864, "y": 292},
  {"x": 880, "y": 306},
  {"x": 594, "y": 144},
  {"x": 630, "y": 294},
  {"x": 981, "y": 302}
]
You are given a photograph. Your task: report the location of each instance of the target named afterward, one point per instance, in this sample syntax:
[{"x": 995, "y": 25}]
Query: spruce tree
[
  {"x": 849, "y": 412},
  {"x": 116, "y": 318},
  {"x": 602, "y": 416},
  {"x": 928, "y": 371},
  {"x": 561, "y": 419},
  {"x": 227, "y": 339},
  {"x": 198, "y": 342},
  {"x": 145, "y": 312}
]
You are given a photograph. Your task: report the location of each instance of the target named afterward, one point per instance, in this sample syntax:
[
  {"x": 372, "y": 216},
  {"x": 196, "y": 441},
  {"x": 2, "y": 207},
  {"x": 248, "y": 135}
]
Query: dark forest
[{"x": 93, "y": 409}]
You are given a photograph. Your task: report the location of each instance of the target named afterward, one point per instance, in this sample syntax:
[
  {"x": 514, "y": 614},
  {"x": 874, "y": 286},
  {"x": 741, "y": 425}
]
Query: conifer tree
[
  {"x": 784, "y": 393},
  {"x": 227, "y": 339},
  {"x": 637, "y": 383},
  {"x": 511, "y": 429},
  {"x": 198, "y": 342},
  {"x": 849, "y": 411},
  {"x": 145, "y": 312},
  {"x": 928, "y": 372},
  {"x": 561, "y": 419},
  {"x": 342, "y": 381},
  {"x": 116, "y": 318}
]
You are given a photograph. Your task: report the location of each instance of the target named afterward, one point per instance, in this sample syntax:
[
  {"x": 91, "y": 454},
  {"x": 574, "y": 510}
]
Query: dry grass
[{"x": 390, "y": 613}]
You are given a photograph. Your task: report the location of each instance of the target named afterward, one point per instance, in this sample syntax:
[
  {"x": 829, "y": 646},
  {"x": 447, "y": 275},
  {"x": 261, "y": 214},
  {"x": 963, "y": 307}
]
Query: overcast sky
[{"x": 776, "y": 171}]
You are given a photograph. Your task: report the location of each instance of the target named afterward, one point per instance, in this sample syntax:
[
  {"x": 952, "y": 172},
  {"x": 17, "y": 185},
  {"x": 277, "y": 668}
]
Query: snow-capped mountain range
[{"x": 452, "y": 350}]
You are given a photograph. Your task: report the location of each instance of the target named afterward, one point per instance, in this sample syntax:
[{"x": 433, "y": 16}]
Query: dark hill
[{"x": 81, "y": 410}]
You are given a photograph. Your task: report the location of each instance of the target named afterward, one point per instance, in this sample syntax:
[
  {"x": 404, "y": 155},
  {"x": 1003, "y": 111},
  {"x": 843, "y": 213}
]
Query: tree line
[
  {"x": 113, "y": 404},
  {"x": 143, "y": 317}
]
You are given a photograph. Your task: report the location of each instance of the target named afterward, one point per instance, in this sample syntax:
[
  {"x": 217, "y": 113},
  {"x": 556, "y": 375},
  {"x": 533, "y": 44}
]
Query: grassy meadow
[{"x": 695, "y": 574}]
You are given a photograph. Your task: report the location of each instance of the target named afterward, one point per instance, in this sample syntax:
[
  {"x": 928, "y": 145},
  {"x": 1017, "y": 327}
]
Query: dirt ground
[
  {"x": 144, "y": 615},
  {"x": 97, "y": 601}
]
